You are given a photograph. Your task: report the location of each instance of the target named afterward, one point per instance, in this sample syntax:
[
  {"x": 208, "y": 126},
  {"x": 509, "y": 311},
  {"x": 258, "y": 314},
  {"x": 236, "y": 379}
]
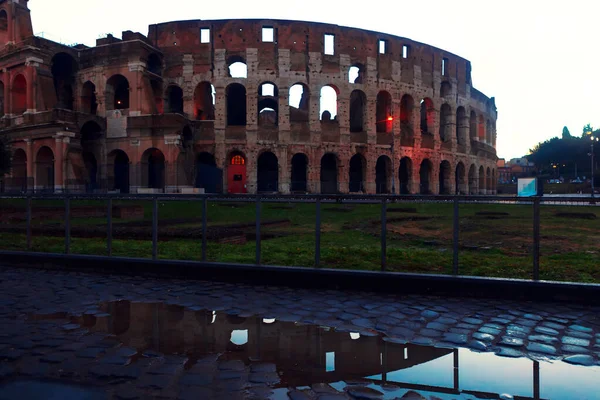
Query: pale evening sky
[{"x": 539, "y": 58}]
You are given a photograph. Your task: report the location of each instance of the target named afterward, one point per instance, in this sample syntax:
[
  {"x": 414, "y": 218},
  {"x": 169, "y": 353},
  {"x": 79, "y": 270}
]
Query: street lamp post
[
  {"x": 391, "y": 121},
  {"x": 593, "y": 139}
]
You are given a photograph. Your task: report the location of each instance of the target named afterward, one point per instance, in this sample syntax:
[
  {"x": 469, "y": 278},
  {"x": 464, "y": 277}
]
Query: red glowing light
[{"x": 390, "y": 118}]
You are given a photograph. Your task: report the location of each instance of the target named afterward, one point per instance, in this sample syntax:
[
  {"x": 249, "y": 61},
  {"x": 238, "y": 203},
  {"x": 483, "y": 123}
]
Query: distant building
[{"x": 510, "y": 171}]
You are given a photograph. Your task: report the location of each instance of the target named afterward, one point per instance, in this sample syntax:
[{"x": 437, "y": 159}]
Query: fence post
[
  {"x": 318, "y": 233},
  {"x": 456, "y": 226},
  {"x": 204, "y": 227},
  {"x": 67, "y": 224},
  {"x": 109, "y": 227},
  {"x": 154, "y": 228},
  {"x": 536, "y": 238},
  {"x": 28, "y": 222},
  {"x": 383, "y": 233},
  {"x": 257, "y": 230}
]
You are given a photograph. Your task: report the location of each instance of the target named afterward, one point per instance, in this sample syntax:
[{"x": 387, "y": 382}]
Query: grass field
[{"x": 495, "y": 240}]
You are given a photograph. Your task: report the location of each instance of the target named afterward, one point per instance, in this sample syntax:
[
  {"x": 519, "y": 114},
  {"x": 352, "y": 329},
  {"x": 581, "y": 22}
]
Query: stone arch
[
  {"x": 64, "y": 71},
  {"x": 473, "y": 180},
  {"x": 19, "y": 169},
  {"x": 236, "y": 172},
  {"x": 206, "y": 174},
  {"x": 156, "y": 86},
  {"x": 154, "y": 64},
  {"x": 174, "y": 99},
  {"x": 356, "y": 173},
  {"x": 488, "y": 132},
  {"x": 462, "y": 125},
  {"x": 267, "y": 172},
  {"x": 473, "y": 125},
  {"x": 3, "y": 21},
  {"x": 236, "y": 104},
  {"x": 299, "y": 174},
  {"x": 462, "y": 186},
  {"x": 488, "y": 180},
  {"x": 358, "y": 109},
  {"x": 384, "y": 112},
  {"x": 329, "y": 173},
  {"x": 44, "y": 169},
  {"x": 268, "y": 104},
  {"x": 153, "y": 169},
  {"x": 204, "y": 101},
  {"x": 118, "y": 171},
  {"x": 445, "y": 181},
  {"x": 481, "y": 129},
  {"x": 383, "y": 175},
  {"x": 481, "y": 180},
  {"x": 426, "y": 177},
  {"x": 237, "y": 67},
  {"x": 299, "y": 103},
  {"x": 89, "y": 171},
  {"x": 89, "y": 102},
  {"x": 19, "y": 94},
  {"x": 356, "y": 73},
  {"x": 407, "y": 106},
  {"x": 445, "y": 123},
  {"x": 427, "y": 116},
  {"x": 117, "y": 93},
  {"x": 329, "y": 97},
  {"x": 405, "y": 172},
  {"x": 445, "y": 89},
  {"x": 494, "y": 181}
]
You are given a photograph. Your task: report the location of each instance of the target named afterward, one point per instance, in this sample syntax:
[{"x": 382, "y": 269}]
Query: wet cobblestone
[{"x": 38, "y": 339}]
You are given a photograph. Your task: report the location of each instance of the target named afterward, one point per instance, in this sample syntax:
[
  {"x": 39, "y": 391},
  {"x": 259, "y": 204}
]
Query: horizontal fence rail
[{"x": 205, "y": 200}]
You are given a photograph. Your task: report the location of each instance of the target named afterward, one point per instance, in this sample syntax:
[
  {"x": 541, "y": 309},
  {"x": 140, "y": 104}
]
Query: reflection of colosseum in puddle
[{"x": 304, "y": 354}]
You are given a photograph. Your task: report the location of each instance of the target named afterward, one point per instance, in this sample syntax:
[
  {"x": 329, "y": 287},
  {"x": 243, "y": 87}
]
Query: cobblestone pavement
[{"x": 44, "y": 333}]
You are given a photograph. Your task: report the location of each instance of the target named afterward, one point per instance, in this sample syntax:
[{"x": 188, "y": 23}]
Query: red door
[{"x": 236, "y": 175}]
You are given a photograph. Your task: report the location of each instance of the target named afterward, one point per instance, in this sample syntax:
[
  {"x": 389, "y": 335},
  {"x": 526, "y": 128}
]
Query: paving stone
[
  {"x": 154, "y": 382},
  {"x": 423, "y": 341},
  {"x": 411, "y": 395},
  {"x": 478, "y": 345},
  {"x": 101, "y": 371},
  {"x": 115, "y": 360},
  {"x": 232, "y": 365},
  {"x": 226, "y": 375},
  {"x": 493, "y": 326},
  {"x": 541, "y": 348},
  {"x": 580, "y": 359},
  {"x": 580, "y": 328},
  {"x": 502, "y": 321},
  {"x": 298, "y": 395},
  {"x": 553, "y": 325},
  {"x": 166, "y": 369},
  {"x": 508, "y": 352},
  {"x": 6, "y": 371},
  {"x": 127, "y": 393},
  {"x": 54, "y": 358},
  {"x": 511, "y": 341},
  {"x": 517, "y": 328},
  {"x": 460, "y": 331},
  {"x": 332, "y": 397},
  {"x": 455, "y": 338},
  {"x": 545, "y": 330},
  {"x": 486, "y": 337},
  {"x": 394, "y": 340},
  {"x": 525, "y": 322},
  {"x": 364, "y": 393},
  {"x": 575, "y": 341},
  {"x": 264, "y": 367},
  {"x": 558, "y": 320},
  {"x": 125, "y": 352},
  {"x": 90, "y": 352},
  {"x": 430, "y": 314},
  {"x": 363, "y": 323},
  {"x": 321, "y": 388},
  {"x": 446, "y": 320},
  {"x": 569, "y": 348},
  {"x": 534, "y": 317},
  {"x": 269, "y": 378},
  {"x": 196, "y": 379},
  {"x": 490, "y": 331},
  {"x": 431, "y": 333},
  {"x": 127, "y": 372},
  {"x": 577, "y": 334},
  {"x": 543, "y": 338},
  {"x": 402, "y": 332},
  {"x": 11, "y": 354},
  {"x": 437, "y": 326}
]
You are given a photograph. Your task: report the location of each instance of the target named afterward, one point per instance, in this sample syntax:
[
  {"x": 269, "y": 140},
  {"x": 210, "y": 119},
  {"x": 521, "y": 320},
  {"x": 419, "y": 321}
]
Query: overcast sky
[{"x": 539, "y": 58}]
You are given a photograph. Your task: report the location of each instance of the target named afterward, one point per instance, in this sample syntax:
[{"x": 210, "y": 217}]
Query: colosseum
[{"x": 241, "y": 106}]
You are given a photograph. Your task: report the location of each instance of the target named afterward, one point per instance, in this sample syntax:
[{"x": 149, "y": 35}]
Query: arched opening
[
  {"x": 267, "y": 173},
  {"x": 445, "y": 174},
  {"x": 1, "y": 98},
  {"x": 19, "y": 95},
  {"x": 445, "y": 89},
  {"x": 91, "y": 169},
  {"x": 236, "y": 105},
  {"x": 299, "y": 103},
  {"x": 207, "y": 176},
  {"x": 488, "y": 132},
  {"x": 117, "y": 93},
  {"x": 473, "y": 126},
  {"x": 329, "y": 174},
  {"x": 472, "y": 180},
  {"x": 488, "y": 184},
  {"x": 44, "y": 170},
  {"x": 328, "y": 109},
  {"x": 445, "y": 123},
  {"x": 3, "y": 21},
  {"x": 237, "y": 67},
  {"x": 19, "y": 170},
  {"x": 157, "y": 93},
  {"x": 268, "y": 105},
  {"x": 204, "y": 101},
  {"x": 405, "y": 175},
  {"x": 154, "y": 64},
  {"x": 174, "y": 99},
  {"x": 383, "y": 175},
  {"x": 407, "y": 105},
  {"x": 236, "y": 173},
  {"x": 90, "y": 134},
  {"x": 384, "y": 112},
  {"x": 481, "y": 129},
  {"x": 64, "y": 70},
  {"x": 427, "y": 116},
  {"x": 481, "y": 180},
  {"x": 494, "y": 181},
  {"x": 119, "y": 170},
  {"x": 89, "y": 102},
  {"x": 299, "y": 173},
  {"x": 425, "y": 175},
  {"x": 462, "y": 125},
  {"x": 356, "y": 178},
  {"x": 153, "y": 169},
  {"x": 460, "y": 179},
  {"x": 358, "y": 103},
  {"x": 356, "y": 73}
]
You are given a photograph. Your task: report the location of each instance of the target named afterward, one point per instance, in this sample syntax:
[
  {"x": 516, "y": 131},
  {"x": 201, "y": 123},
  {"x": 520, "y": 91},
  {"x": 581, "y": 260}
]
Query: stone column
[
  {"x": 30, "y": 171},
  {"x": 7, "y": 91},
  {"x": 285, "y": 172}
]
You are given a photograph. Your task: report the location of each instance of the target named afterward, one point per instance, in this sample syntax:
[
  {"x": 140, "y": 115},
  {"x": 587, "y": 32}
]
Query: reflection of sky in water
[
  {"x": 239, "y": 337},
  {"x": 330, "y": 362},
  {"x": 354, "y": 335},
  {"x": 268, "y": 320},
  {"x": 485, "y": 372}
]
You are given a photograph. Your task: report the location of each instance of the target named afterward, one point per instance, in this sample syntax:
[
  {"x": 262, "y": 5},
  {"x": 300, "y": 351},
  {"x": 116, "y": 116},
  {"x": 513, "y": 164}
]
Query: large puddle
[{"x": 305, "y": 355}]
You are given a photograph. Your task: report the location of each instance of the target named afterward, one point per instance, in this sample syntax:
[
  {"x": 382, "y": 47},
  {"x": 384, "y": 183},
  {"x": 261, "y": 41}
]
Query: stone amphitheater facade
[{"x": 235, "y": 106}]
